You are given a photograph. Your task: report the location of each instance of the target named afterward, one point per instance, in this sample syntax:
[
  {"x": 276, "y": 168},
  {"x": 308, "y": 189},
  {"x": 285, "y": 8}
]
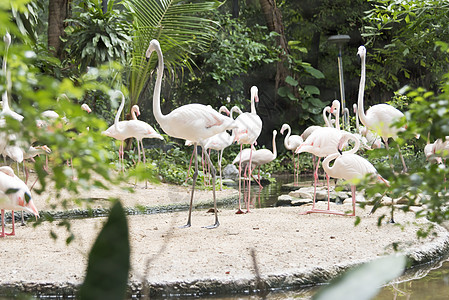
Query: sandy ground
[{"x": 289, "y": 248}]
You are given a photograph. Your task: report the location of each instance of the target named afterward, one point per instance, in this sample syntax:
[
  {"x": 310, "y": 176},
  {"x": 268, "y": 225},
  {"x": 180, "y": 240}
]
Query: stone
[
  {"x": 299, "y": 202},
  {"x": 229, "y": 182},
  {"x": 231, "y": 172},
  {"x": 306, "y": 192},
  {"x": 284, "y": 200}
]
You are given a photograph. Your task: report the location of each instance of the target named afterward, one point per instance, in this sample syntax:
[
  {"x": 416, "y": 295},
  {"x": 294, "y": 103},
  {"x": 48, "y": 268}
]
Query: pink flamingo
[
  {"x": 321, "y": 143},
  {"x": 20, "y": 198},
  {"x": 249, "y": 128},
  {"x": 140, "y": 130},
  {"x": 369, "y": 139},
  {"x": 222, "y": 109},
  {"x": 291, "y": 142},
  {"x": 194, "y": 122},
  {"x": 380, "y": 117},
  {"x": 348, "y": 166},
  {"x": 221, "y": 141},
  {"x": 259, "y": 157},
  {"x": 126, "y": 129}
]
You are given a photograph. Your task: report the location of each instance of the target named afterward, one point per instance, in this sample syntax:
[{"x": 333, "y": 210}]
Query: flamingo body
[
  {"x": 14, "y": 195},
  {"x": 194, "y": 122}
]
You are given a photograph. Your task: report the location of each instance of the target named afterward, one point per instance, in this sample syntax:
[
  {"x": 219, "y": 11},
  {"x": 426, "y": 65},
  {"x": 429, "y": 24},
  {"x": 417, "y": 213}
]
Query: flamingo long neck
[
  {"x": 357, "y": 124},
  {"x": 360, "y": 107},
  {"x": 326, "y": 120},
  {"x": 253, "y": 105},
  {"x": 275, "y": 153},
  {"x": 349, "y": 136},
  {"x": 5, "y": 102},
  {"x": 157, "y": 88},
  {"x": 119, "y": 112},
  {"x": 337, "y": 118},
  {"x": 326, "y": 163},
  {"x": 234, "y": 109},
  {"x": 289, "y": 131},
  {"x": 133, "y": 113}
]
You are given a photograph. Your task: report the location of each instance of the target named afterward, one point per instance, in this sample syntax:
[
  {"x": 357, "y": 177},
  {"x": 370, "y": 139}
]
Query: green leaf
[
  {"x": 312, "y": 90},
  {"x": 283, "y": 91},
  {"x": 291, "y": 81},
  {"x": 314, "y": 72},
  {"x": 363, "y": 282},
  {"x": 316, "y": 102},
  {"x": 108, "y": 266}
]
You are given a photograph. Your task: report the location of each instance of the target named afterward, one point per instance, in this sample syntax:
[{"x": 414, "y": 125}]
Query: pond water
[{"x": 430, "y": 281}]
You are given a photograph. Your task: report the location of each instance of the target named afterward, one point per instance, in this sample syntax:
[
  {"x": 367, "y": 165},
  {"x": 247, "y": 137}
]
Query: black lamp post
[{"x": 340, "y": 40}]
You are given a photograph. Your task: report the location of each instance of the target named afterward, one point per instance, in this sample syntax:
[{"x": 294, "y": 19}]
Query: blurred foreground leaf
[
  {"x": 363, "y": 282},
  {"x": 108, "y": 267}
]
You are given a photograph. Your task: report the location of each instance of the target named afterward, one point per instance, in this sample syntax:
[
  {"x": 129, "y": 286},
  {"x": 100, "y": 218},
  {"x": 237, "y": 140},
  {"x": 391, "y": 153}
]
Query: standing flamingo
[
  {"x": 348, "y": 166},
  {"x": 221, "y": 141},
  {"x": 321, "y": 143},
  {"x": 222, "y": 109},
  {"x": 249, "y": 128},
  {"x": 380, "y": 117},
  {"x": 335, "y": 110},
  {"x": 291, "y": 142},
  {"x": 367, "y": 137},
  {"x": 126, "y": 129},
  {"x": 194, "y": 122},
  {"x": 258, "y": 157},
  {"x": 141, "y": 130},
  {"x": 14, "y": 194}
]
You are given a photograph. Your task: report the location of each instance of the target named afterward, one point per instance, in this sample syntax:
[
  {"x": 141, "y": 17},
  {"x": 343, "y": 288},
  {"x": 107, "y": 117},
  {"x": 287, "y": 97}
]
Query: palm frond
[{"x": 180, "y": 29}]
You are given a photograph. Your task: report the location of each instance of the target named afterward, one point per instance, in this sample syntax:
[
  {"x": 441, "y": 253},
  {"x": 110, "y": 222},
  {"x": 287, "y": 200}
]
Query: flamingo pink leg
[
  {"x": 239, "y": 211},
  {"x": 194, "y": 177},
  {"x": 249, "y": 177},
  {"x": 3, "y": 234},
  {"x": 190, "y": 164},
  {"x": 297, "y": 170},
  {"x": 3, "y": 223},
  {"x": 213, "y": 173}
]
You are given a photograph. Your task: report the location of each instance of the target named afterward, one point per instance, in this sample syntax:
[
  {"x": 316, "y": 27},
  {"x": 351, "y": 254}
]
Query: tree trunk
[
  {"x": 273, "y": 17},
  {"x": 58, "y": 11},
  {"x": 235, "y": 9}
]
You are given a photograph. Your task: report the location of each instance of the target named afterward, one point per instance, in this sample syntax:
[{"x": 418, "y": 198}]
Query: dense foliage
[{"x": 213, "y": 58}]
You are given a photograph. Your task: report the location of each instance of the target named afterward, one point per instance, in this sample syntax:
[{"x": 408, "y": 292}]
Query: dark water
[{"x": 429, "y": 281}]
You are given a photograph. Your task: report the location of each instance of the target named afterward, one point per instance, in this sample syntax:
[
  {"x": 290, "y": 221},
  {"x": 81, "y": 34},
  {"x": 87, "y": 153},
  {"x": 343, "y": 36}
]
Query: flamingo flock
[{"x": 201, "y": 125}]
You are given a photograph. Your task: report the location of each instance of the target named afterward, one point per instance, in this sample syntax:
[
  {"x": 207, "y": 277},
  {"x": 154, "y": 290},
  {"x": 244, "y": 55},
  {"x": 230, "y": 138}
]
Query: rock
[
  {"x": 299, "y": 202},
  {"x": 284, "y": 200},
  {"x": 306, "y": 192},
  {"x": 387, "y": 200},
  {"x": 230, "y": 182},
  {"x": 231, "y": 172}
]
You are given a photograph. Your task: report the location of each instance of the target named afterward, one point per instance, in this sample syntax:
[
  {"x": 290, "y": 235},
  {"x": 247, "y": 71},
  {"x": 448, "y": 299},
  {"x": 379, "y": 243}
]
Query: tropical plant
[
  {"x": 179, "y": 28},
  {"x": 223, "y": 76},
  {"x": 95, "y": 37},
  {"x": 306, "y": 95},
  {"x": 402, "y": 36}
]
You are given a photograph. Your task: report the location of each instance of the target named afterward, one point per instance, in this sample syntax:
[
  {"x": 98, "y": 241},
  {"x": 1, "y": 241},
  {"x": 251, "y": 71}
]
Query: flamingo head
[
  {"x": 361, "y": 52},
  {"x": 223, "y": 109},
  {"x": 26, "y": 201},
  {"x": 283, "y": 128},
  {"x": 86, "y": 107},
  {"x": 254, "y": 94},
  {"x": 45, "y": 148},
  {"x": 335, "y": 106},
  {"x": 154, "y": 44},
  {"x": 136, "y": 110}
]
